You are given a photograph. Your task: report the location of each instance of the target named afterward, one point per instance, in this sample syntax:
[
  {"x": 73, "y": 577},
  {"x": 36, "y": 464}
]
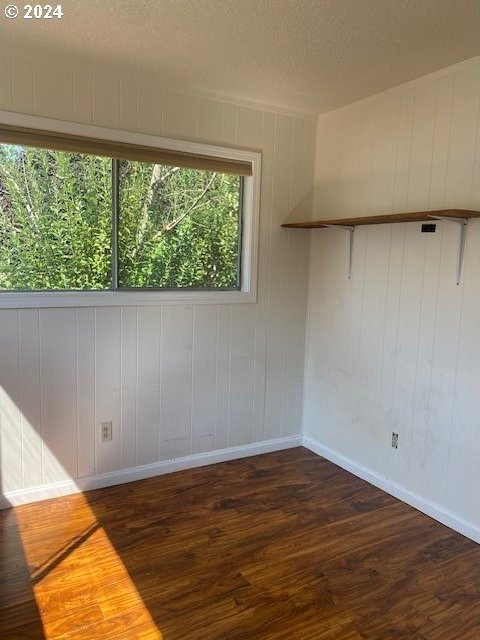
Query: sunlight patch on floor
[{"x": 81, "y": 586}]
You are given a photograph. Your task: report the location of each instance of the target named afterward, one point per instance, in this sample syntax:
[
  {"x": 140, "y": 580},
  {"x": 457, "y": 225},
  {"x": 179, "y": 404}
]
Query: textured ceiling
[{"x": 307, "y": 55}]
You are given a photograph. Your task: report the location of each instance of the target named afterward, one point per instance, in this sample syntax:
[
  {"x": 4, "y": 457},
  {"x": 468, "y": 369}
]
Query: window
[
  {"x": 55, "y": 220},
  {"x": 177, "y": 227},
  {"x": 84, "y": 215}
]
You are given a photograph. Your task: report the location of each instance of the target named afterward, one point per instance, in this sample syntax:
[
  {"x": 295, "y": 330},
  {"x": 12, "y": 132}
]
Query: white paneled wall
[
  {"x": 173, "y": 380},
  {"x": 397, "y": 347}
]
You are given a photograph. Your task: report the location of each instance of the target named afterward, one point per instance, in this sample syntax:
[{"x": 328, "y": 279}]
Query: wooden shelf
[
  {"x": 458, "y": 216},
  {"x": 389, "y": 218}
]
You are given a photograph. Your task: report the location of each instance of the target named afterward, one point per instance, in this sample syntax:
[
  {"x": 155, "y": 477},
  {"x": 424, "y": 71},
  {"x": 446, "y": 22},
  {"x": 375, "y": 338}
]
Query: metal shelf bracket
[
  {"x": 351, "y": 231},
  {"x": 463, "y": 222}
]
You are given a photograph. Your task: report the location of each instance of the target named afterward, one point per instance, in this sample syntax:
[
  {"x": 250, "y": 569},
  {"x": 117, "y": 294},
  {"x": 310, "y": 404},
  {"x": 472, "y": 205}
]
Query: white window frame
[{"x": 250, "y": 225}]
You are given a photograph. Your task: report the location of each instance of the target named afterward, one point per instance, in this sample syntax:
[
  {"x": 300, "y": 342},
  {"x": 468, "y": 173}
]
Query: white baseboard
[
  {"x": 432, "y": 509},
  {"x": 57, "y": 489},
  {"x": 67, "y": 487}
]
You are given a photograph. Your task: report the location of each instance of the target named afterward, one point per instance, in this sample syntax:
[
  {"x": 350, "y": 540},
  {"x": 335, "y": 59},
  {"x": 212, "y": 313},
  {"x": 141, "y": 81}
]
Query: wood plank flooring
[{"x": 283, "y": 545}]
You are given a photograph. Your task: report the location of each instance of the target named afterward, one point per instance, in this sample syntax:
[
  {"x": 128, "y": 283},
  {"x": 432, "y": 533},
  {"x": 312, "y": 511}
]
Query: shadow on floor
[{"x": 19, "y": 613}]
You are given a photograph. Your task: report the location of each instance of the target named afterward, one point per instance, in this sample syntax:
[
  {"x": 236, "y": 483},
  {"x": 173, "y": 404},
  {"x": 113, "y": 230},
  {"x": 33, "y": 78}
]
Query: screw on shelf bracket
[
  {"x": 463, "y": 222},
  {"x": 351, "y": 231}
]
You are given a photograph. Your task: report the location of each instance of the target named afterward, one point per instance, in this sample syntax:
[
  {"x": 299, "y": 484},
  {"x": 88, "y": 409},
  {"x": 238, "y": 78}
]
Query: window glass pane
[
  {"x": 178, "y": 227},
  {"x": 55, "y": 220}
]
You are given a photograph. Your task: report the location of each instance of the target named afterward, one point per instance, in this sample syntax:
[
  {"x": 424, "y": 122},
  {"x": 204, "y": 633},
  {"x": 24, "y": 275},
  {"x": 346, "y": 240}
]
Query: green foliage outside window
[{"x": 177, "y": 227}]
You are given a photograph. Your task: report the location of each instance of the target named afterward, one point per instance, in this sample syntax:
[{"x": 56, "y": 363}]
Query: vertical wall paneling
[
  {"x": 320, "y": 405},
  {"x": 407, "y": 345},
  {"x": 382, "y": 182},
  {"x": 204, "y": 376},
  {"x": 462, "y": 149},
  {"x": 278, "y": 271},
  {"x": 11, "y": 462},
  {"x": 475, "y": 195},
  {"x": 172, "y": 380},
  {"x": 424, "y": 363},
  {"x": 176, "y": 381},
  {"x": 209, "y": 120},
  {"x": 392, "y": 316},
  {"x": 229, "y": 123},
  {"x": 250, "y": 127},
  {"x": 149, "y": 333},
  {"x": 423, "y": 128},
  {"x": 58, "y": 377},
  {"x": 242, "y": 359},
  {"x": 21, "y": 75},
  {"x": 53, "y": 87},
  {"x": 370, "y": 350},
  {"x": 444, "y": 367},
  {"x": 396, "y": 349},
  {"x": 107, "y": 388},
  {"x": 128, "y": 105},
  {"x": 293, "y": 322},
  {"x": 86, "y": 382},
  {"x": 82, "y": 95},
  {"x": 149, "y": 109},
  {"x": 30, "y": 396},
  {"x": 364, "y": 166},
  {"x": 5, "y": 83},
  {"x": 403, "y": 146},
  {"x": 106, "y": 100},
  {"x": 248, "y": 339},
  {"x": 179, "y": 116},
  {"x": 222, "y": 386},
  {"x": 268, "y": 137},
  {"x": 129, "y": 389},
  {"x": 353, "y": 335},
  {"x": 463, "y": 469},
  {"x": 441, "y": 142}
]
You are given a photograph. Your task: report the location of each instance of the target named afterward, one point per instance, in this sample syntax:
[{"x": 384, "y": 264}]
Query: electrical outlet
[
  {"x": 106, "y": 431},
  {"x": 395, "y": 440}
]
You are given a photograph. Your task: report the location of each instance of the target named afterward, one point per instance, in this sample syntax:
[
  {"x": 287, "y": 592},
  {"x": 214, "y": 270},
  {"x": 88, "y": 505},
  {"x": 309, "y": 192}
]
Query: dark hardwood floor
[{"x": 283, "y": 545}]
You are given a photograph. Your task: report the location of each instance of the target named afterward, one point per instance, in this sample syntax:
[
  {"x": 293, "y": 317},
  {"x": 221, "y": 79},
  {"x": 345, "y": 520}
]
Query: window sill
[{"x": 60, "y": 299}]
